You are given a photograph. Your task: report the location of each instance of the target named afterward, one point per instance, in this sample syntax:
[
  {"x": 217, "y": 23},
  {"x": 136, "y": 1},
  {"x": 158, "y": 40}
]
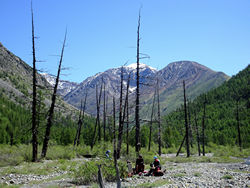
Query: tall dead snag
[
  {"x": 127, "y": 123},
  {"x": 98, "y": 113},
  {"x": 79, "y": 124},
  {"x": 81, "y": 120},
  {"x": 34, "y": 100},
  {"x": 189, "y": 124},
  {"x": 179, "y": 150},
  {"x": 159, "y": 118},
  {"x": 137, "y": 103},
  {"x": 97, "y": 122},
  {"x": 104, "y": 113},
  {"x": 197, "y": 133},
  {"x": 114, "y": 145},
  {"x": 120, "y": 129},
  {"x": 186, "y": 122},
  {"x": 238, "y": 124},
  {"x": 151, "y": 122},
  {"x": 203, "y": 126},
  {"x": 125, "y": 113},
  {"x": 53, "y": 101}
]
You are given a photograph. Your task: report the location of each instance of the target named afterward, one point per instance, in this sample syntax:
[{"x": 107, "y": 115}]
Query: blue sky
[{"x": 102, "y": 33}]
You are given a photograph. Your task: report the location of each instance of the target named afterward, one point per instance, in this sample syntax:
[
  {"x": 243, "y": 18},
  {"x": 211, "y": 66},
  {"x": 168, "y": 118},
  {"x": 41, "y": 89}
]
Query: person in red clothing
[{"x": 155, "y": 167}]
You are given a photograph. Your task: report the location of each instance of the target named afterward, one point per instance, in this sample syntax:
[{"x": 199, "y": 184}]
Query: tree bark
[
  {"x": 197, "y": 134},
  {"x": 120, "y": 129},
  {"x": 189, "y": 124},
  {"x": 114, "y": 145},
  {"x": 186, "y": 122},
  {"x": 79, "y": 124},
  {"x": 53, "y": 101},
  {"x": 137, "y": 105},
  {"x": 159, "y": 118},
  {"x": 104, "y": 113},
  {"x": 82, "y": 120},
  {"x": 178, "y": 152},
  {"x": 151, "y": 122},
  {"x": 34, "y": 101}
]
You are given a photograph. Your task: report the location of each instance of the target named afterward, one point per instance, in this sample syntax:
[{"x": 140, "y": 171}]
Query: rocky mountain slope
[
  {"x": 64, "y": 86},
  {"x": 16, "y": 80},
  {"x": 199, "y": 79}
]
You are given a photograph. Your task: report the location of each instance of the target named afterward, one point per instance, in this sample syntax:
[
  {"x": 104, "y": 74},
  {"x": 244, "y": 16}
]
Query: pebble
[{"x": 177, "y": 174}]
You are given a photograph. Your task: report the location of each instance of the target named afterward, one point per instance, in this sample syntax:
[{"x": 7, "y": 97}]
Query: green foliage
[
  {"x": 88, "y": 172},
  {"x": 220, "y": 122},
  {"x": 60, "y": 152},
  {"x": 227, "y": 177}
]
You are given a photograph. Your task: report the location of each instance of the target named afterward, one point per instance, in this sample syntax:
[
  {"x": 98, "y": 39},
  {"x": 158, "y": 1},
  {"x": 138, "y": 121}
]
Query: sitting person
[
  {"x": 139, "y": 165},
  {"x": 107, "y": 154},
  {"x": 155, "y": 169}
]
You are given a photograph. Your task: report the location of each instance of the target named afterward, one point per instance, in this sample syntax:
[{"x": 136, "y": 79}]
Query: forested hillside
[
  {"x": 220, "y": 115},
  {"x": 15, "y": 128}
]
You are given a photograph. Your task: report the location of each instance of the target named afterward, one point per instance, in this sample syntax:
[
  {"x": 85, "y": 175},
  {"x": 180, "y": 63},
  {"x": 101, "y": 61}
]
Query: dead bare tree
[
  {"x": 80, "y": 121},
  {"x": 203, "y": 125},
  {"x": 189, "y": 124},
  {"x": 114, "y": 145},
  {"x": 79, "y": 124},
  {"x": 120, "y": 128},
  {"x": 186, "y": 122},
  {"x": 97, "y": 123},
  {"x": 197, "y": 133},
  {"x": 137, "y": 103},
  {"x": 98, "y": 113},
  {"x": 53, "y": 101},
  {"x": 104, "y": 113},
  {"x": 179, "y": 150},
  {"x": 159, "y": 117},
  {"x": 151, "y": 122},
  {"x": 34, "y": 100}
]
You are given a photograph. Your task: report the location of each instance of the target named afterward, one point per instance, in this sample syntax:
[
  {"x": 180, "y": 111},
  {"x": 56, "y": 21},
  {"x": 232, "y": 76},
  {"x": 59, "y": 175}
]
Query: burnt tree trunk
[
  {"x": 81, "y": 120},
  {"x": 151, "y": 122},
  {"x": 186, "y": 122},
  {"x": 97, "y": 122},
  {"x": 197, "y": 133},
  {"x": 53, "y": 101},
  {"x": 104, "y": 113},
  {"x": 120, "y": 129},
  {"x": 179, "y": 150},
  {"x": 189, "y": 124},
  {"x": 114, "y": 145},
  {"x": 203, "y": 126},
  {"x": 159, "y": 118},
  {"x": 79, "y": 124},
  {"x": 137, "y": 103},
  {"x": 98, "y": 114},
  {"x": 34, "y": 100}
]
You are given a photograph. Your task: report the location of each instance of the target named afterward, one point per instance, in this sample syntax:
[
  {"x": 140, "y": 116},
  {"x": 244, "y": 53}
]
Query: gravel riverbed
[{"x": 176, "y": 175}]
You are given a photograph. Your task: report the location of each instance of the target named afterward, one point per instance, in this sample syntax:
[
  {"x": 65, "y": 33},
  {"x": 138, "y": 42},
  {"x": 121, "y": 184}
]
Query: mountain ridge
[{"x": 170, "y": 76}]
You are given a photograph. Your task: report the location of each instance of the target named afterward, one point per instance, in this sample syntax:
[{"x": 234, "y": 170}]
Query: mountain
[
  {"x": 221, "y": 127},
  {"x": 64, "y": 87},
  {"x": 199, "y": 79},
  {"x": 16, "y": 81}
]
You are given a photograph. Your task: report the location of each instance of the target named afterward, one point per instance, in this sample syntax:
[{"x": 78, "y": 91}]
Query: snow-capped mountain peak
[
  {"x": 64, "y": 87},
  {"x": 141, "y": 66}
]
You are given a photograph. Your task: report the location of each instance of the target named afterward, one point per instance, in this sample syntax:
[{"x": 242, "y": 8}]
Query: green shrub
[
  {"x": 86, "y": 173},
  {"x": 227, "y": 177},
  {"x": 60, "y": 152}
]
